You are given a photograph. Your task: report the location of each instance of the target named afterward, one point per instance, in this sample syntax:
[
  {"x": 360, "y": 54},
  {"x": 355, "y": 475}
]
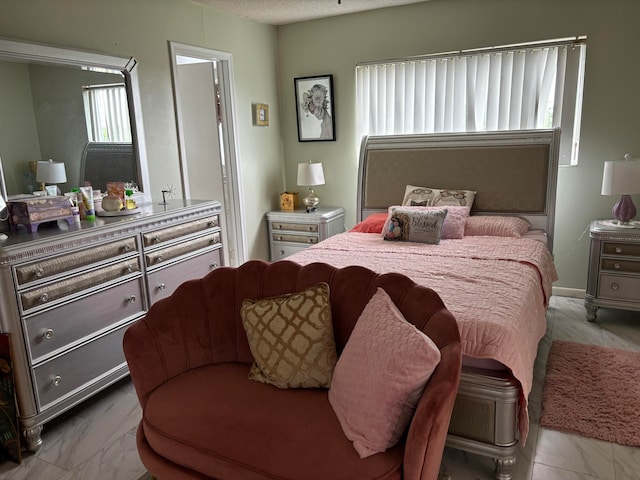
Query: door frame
[{"x": 236, "y": 237}]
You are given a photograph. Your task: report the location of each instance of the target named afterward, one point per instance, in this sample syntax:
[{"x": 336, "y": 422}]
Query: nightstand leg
[{"x": 591, "y": 312}]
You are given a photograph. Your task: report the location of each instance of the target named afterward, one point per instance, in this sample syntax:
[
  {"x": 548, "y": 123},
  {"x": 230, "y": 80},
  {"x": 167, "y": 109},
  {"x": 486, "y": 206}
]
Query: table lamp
[
  {"x": 48, "y": 171},
  {"x": 622, "y": 178},
  {"x": 310, "y": 174}
]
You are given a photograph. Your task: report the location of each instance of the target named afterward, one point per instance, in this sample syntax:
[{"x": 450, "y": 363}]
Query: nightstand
[
  {"x": 292, "y": 231},
  {"x": 614, "y": 268}
]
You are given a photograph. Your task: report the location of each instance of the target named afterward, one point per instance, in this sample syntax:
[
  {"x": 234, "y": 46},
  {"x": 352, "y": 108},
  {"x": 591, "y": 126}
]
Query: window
[
  {"x": 532, "y": 86},
  {"x": 107, "y": 113}
]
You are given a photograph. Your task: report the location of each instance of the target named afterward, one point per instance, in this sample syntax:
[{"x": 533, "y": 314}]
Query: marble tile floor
[
  {"x": 96, "y": 440},
  {"x": 554, "y": 455}
]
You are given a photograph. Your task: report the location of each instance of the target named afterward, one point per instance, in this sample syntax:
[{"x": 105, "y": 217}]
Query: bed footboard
[{"x": 485, "y": 418}]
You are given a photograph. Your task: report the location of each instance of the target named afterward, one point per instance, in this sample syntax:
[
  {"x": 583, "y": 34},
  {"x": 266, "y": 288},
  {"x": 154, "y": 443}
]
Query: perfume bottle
[{"x": 130, "y": 203}]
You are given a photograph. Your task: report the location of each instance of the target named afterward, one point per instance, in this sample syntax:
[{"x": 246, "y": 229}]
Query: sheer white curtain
[
  {"x": 497, "y": 89},
  {"x": 107, "y": 113}
]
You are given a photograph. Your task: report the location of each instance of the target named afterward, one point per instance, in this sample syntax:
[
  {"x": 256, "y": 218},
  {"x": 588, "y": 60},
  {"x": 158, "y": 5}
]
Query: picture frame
[
  {"x": 261, "y": 114},
  {"x": 315, "y": 110}
]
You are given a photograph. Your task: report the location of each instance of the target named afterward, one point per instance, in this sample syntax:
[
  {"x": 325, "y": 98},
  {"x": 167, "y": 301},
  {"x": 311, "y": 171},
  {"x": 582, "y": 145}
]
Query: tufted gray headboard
[{"x": 514, "y": 172}]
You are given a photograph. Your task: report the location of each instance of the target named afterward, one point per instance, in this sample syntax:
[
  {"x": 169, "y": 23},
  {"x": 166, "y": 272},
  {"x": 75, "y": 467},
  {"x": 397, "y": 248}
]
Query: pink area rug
[{"x": 593, "y": 391}]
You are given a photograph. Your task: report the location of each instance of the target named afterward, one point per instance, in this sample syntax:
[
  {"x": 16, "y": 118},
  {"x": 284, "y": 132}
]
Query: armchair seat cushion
[{"x": 294, "y": 433}]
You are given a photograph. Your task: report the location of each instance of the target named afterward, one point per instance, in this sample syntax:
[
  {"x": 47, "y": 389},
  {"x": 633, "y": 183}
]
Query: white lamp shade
[
  {"x": 310, "y": 174},
  {"x": 621, "y": 177},
  {"x": 50, "y": 172}
]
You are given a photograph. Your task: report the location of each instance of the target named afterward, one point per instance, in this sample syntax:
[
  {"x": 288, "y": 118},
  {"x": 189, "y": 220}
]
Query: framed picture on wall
[{"x": 315, "y": 108}]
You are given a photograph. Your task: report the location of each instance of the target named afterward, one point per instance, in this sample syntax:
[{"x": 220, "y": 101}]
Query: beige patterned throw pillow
[{"x": 291, "y": 338}]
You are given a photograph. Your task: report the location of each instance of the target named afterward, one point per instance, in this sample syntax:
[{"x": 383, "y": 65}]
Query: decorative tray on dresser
[{"x": 70, "y": 291}]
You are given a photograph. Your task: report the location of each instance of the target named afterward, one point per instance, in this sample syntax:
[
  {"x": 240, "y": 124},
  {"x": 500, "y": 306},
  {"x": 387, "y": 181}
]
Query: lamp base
[
  {"x": 624, "y": 210},
  {"x": 311, "y": 201}
]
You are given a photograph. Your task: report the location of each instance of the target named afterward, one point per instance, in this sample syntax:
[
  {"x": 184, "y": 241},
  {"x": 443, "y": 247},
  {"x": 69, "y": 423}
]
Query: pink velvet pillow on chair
[{"x": 380, "y": 376}]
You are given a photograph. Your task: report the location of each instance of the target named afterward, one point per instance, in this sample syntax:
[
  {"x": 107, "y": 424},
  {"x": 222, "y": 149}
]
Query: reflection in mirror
[
  {"x": 4, "y": 212},
  {"x": 55, "y": 102}
]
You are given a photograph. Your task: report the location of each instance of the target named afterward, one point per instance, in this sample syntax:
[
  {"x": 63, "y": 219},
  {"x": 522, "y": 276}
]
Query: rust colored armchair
[{"x": 203, "y": 418}]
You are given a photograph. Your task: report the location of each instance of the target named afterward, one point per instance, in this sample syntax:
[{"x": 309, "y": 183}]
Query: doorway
[{"x": 204, "y": 102}]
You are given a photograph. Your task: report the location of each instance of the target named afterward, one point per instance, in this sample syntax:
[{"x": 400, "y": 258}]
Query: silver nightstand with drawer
[
  {"x": 614, "y": 268},
  {"x": 295, "y": 230}
]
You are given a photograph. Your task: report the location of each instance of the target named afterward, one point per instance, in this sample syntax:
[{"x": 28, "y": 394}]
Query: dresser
[
  {"x": 70, "y": 291},
  {"x": 294, "y": 230},
  {"x": 614, "y": 268}
]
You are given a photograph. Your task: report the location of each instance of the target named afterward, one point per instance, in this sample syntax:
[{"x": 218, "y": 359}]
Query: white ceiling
[{"x": 280, "y": 12}]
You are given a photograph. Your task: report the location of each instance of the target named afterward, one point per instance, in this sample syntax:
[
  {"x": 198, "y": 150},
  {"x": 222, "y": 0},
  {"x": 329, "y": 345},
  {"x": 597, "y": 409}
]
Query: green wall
[
  {"x": 611, "y": 108},
  {"x": 142, "y": 29},
  {"x": 267, "y": 58}
]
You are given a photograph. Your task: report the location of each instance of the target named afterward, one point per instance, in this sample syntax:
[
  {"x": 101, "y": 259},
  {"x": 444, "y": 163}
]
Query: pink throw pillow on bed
[
  {"x": 380, "y": 376},
  {"x": 454, "y": 223},
  {"x": 495, "y": 226},
  {"x": 372, "y": 224}
]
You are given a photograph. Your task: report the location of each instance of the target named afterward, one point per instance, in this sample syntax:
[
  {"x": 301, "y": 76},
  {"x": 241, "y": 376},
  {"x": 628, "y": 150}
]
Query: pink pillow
[
  {"x": 495, "y": 226},
  {"x": 454, "y": 223},
  {"x": 372, "y": 224},
  {"x": 380, "y": 376}
]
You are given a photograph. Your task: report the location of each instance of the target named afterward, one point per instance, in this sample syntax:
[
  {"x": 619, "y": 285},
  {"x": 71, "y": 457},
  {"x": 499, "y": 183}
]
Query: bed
[{"x": 498, "y": 287}]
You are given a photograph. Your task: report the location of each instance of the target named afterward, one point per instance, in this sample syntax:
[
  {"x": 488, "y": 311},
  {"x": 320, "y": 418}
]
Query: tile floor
[
  {"x": 553, "y": 455},
  {"x": 96, "y": 441}
]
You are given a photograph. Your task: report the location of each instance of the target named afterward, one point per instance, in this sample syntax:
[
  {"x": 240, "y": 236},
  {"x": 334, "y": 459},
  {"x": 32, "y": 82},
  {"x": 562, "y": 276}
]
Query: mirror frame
[{"x": 12, "y": 49}]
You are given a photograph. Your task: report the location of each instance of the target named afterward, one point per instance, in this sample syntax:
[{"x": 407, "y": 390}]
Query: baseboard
[{"x": 568, "y": 292}]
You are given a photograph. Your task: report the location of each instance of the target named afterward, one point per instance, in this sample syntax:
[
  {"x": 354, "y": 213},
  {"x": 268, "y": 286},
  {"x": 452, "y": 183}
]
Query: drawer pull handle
[
  {"x": 211, "y": 223},
  {"x": 44, "y": 297},
  {"x": 128, "y": 269},
  {"x": 281, "y": 252},
  {"x": 278, "y": 226},
  {"x": 126, "y": 248},
  {"x": 156, "y": 239},
  {"x": 310, "y": 240},
  {"x": 279, "y": 237},
  {"x": 310, "y": 228},
  {"x": 213, "y": 241},
  {"x": 131, "y": 299},
  {"x": 214, "y": 265},
  {"x": 615, "y": 287},
  {"x": 162, "y": 286},
  {"x": 57, "y": 380},
  {"x": 39, "y": 272},
  {"x": 616, "y": 266},
  {"x": 48, "y": 334},
  {"x": 159, "y": 258},
  {"x": 618, "y": 250}
]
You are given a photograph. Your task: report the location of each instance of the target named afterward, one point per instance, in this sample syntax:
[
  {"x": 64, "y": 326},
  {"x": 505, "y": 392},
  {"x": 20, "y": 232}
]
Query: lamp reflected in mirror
[{"x": 53, "y": 173}]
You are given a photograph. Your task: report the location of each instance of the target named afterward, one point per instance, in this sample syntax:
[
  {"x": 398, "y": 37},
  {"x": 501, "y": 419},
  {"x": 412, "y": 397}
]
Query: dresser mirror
[{"x": 48, "y": 110}]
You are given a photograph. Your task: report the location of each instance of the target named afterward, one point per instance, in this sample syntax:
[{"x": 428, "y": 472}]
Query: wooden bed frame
[{"x": 514, "y": 173}]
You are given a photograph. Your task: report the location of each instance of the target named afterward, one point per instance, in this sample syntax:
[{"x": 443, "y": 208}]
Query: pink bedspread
[{"x": 497, "y": 288}]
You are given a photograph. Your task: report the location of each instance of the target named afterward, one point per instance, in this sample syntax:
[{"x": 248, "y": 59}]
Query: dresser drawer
[
  {"x": 295, "y": 227},
  {"x": 286, "y": 237},
  {"x": 279, "y": 251},
  {"x": 158, "y": 236},
  {"x": 43, "y": 295},
  {"x": 164, "y": 281},
  {"x": 54, "y": 329},
  {"x": 619, "y": 288},
  {"x": 42, "y": 269},
  {"x": 158, "y": 256},
  {"x": 621, "y": 249},
  {"x": 617, "y": 265},
  {"x": 77, "y": 368}
]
